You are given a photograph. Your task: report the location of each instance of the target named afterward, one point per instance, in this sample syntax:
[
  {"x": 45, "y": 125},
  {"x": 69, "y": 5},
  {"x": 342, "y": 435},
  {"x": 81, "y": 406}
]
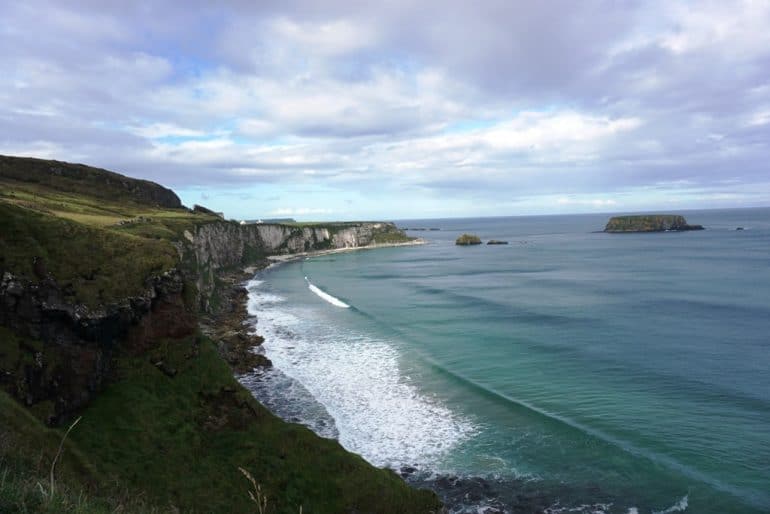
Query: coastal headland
[{"x": 123, "y": 309}]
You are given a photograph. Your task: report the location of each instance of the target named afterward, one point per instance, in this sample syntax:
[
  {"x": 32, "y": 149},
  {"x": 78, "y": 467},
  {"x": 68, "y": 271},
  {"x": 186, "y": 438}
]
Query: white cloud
[
  {"x": 578, "y": 107},
  {"x": 330, "y": 38},
  {"x": 591, "y": 202},
  {"x": 734, "y": 28},
  {"x": 300, "y": 211},
  {"x": 160, "y": 130}
]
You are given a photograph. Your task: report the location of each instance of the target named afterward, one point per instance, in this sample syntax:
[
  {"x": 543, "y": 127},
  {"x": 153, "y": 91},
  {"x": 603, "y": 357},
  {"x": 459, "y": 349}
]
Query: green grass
[
  {"x": 85, "y": 181},
  {"x": 27, "y": 449},
  {"x": 94, "y": 264},
  {"x": 181, "y": 440},
  {"x": 151, "y": 442}
]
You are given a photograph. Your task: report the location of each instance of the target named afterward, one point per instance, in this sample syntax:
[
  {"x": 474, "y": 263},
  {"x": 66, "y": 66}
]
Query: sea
[{"x": 570, "y": 370}]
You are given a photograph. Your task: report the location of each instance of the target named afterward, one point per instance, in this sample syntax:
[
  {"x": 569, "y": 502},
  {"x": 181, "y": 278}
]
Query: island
[
  {"x": 468, "y": 239},
  {"x": 649, "y": 223}
]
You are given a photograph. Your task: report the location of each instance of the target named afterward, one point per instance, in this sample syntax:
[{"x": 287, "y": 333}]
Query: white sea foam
[
  {"x": 326, "y": 296},
  {"x": 679, "y": 506},
  {"x": 356, "y": 378}
]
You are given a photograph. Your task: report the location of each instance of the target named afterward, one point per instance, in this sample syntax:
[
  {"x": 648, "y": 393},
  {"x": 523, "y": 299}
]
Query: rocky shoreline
[
  {"x": 229, "y": 326},
  {"x": 232, "y": 330}
]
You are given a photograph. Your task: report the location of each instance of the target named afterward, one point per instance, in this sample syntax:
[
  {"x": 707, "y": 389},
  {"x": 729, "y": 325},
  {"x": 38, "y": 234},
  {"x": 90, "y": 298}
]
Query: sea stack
[
  {"x": 649, "y": 223},
  {"x": 468, "y": 239}
]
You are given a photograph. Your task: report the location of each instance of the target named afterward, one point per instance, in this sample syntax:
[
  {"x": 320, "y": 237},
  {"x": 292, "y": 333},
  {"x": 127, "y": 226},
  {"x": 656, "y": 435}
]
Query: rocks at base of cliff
[
  {"x": 496, "y": 242},
  {"x": 649, "y": 223},
  {"x": 229, "y": 330},
  {"x": 238, "y": 349},
  {"x": 467, "y": 240}
]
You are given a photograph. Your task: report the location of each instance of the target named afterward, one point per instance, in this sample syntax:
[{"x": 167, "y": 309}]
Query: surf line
[{"x": 326, "y": 296}]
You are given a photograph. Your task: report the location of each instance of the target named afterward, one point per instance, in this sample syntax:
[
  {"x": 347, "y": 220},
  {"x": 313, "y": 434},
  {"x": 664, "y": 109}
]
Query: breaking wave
[
  {"x": 376, "y": 411},
  {"x": 326, "y": 296}
]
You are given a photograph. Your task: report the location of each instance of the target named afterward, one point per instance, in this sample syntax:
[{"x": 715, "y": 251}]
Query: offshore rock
[
  {"x": 649, "y": 223},
  {"x": 468, "y": 239}
]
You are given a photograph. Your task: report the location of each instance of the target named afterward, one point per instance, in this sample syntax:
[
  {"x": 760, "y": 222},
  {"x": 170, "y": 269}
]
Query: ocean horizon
[{"x": 570, "y": 370}]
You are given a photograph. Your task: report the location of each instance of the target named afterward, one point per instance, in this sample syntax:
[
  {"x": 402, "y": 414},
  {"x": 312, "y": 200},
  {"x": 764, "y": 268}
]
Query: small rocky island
[
  {"x": 649, "y": 223},
  {"x": 468, "y": 239}
]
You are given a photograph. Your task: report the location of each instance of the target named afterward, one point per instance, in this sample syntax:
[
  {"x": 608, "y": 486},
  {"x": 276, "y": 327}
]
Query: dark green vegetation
[
  {"x": 86, "y": 227},
  {"x": 468, "y": 239},
  {"x": 177, "y": 442},
  {"x": 82, "y": 180},
  {"x": 649, "y": 223},
  {"x": 164, "y": 425}
]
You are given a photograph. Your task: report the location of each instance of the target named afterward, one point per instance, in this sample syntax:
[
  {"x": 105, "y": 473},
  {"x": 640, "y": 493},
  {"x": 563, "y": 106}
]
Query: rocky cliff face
[
  {"x": 57, "y": 356},
  {"x": 222, "y": 245},
  {"x": 218, "y": 246}
]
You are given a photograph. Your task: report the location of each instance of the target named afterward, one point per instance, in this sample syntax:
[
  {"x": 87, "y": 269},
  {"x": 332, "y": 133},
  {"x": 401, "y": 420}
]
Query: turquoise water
[{"x": 620, "y": 373}]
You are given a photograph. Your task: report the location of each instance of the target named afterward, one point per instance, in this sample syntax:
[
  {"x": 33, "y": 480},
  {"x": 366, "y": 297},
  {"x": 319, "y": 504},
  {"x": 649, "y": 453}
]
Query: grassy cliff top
[
  {"x": 98, "y": 234},
  {"x": 85, "y": 180}
]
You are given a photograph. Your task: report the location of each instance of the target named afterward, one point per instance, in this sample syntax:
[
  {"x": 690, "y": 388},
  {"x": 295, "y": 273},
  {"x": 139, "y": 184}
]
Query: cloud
[
  {"x": 301, "y": 211},
  {"x": 432, "y": 100},
  {"x": 595, "y": 202}
]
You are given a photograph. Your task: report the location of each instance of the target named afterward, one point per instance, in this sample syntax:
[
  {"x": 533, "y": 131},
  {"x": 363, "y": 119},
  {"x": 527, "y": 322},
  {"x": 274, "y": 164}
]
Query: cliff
[
  {"x": 649, "y": 223},
  {"x": 222, "y": 246},
  {"x": 103, "y": 280}
]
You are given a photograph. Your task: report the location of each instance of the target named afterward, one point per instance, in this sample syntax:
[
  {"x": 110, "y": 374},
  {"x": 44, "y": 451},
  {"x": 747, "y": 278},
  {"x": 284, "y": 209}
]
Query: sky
[{"x": 399, "y": 109}]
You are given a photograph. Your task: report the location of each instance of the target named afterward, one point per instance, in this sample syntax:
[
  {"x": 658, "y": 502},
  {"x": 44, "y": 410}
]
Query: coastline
[
  {"x": 239, "y": 343},
  {"x": 229, "y": 327},
  {"x": 317, "y": 253},
  {"x": 486, "y": 494}
]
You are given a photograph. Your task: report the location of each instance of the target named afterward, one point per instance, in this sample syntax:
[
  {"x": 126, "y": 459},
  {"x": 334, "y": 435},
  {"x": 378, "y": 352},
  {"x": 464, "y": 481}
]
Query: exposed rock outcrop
[
  {"x": 64, "y": 353},
  {"x": 221, "y": 246},
  {"x": 468, "y": 239}
]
